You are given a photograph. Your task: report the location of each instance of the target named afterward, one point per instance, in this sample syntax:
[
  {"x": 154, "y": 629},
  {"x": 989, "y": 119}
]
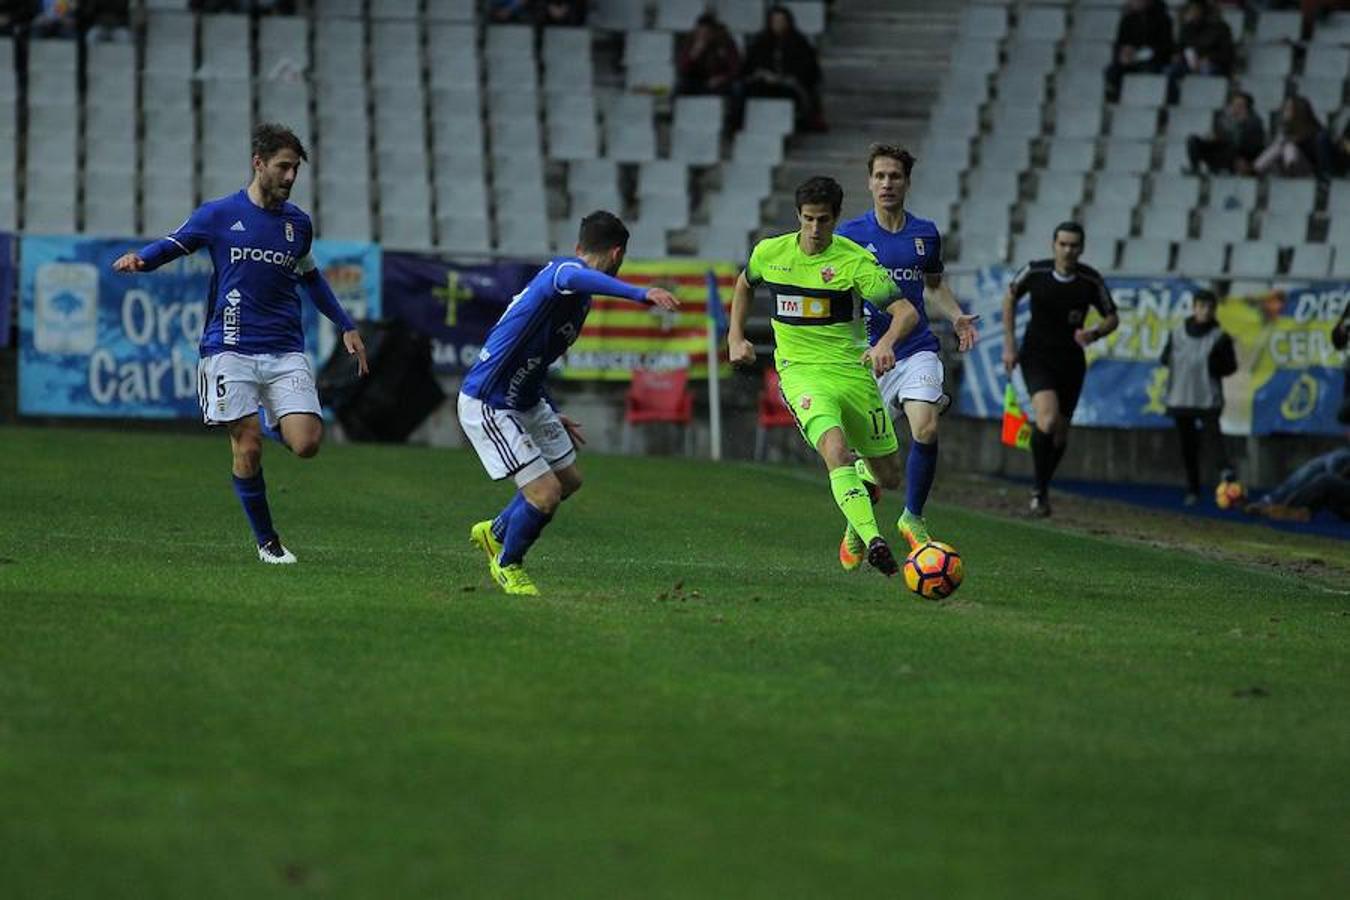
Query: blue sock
[
  {"x": 521, "y": 532},
  {"x": 504, "y": 517},
  {"x": 920, "y": 468},
  {"x": 271, "y": 431},
  {"x": 252, "y": 494}
]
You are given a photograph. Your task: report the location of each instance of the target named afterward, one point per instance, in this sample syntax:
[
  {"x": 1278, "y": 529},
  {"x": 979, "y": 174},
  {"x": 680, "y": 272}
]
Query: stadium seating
[{"x": 428, "y": 128}]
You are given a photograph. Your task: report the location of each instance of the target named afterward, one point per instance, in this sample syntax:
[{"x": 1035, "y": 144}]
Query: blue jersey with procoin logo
[
  {"x": 908, "y": 254},
  {"x": 259, "y": 256}
]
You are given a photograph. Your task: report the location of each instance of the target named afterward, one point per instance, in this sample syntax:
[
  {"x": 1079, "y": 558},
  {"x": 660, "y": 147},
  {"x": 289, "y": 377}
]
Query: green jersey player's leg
[{"x": 838, "y": 407}]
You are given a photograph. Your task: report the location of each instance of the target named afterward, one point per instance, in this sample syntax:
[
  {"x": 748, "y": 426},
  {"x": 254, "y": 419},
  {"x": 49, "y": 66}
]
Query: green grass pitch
[{"x": 701, "y": 705}]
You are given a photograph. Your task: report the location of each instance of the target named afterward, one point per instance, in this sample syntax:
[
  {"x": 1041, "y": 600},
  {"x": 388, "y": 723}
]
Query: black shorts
[{"x": 1060, "y": 370}]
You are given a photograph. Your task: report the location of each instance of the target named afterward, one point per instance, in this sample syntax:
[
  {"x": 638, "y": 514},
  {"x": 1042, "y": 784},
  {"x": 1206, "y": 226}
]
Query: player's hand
[
  {"x": 880, "y": 358},
  {"x": 740, "y": 352},
  {"x": 573, "y": 429},
  {"x": 966, "y": 333},
  {"x": 1009, "y": 360},
  {"x": 352, "y": 341},
  {"x": 662, "y": 298},
  {"x": 1084, "y": 336},
  {"x": 129, "y": 262}
]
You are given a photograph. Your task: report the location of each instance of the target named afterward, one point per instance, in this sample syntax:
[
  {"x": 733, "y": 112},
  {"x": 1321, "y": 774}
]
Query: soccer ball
[
  {"x": 934, "y": 570},
  {"x": 1229, "y": 494}
]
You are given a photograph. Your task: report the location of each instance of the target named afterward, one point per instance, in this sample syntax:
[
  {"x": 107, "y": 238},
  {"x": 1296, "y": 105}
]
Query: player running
[
  {"x": 252, "y": 348},
  {"x": 1052, "y": 358},
  {"x": 505, "y": 411},
  {"x": 910, "y": 249},
  {"x": 824, "y": 365}
]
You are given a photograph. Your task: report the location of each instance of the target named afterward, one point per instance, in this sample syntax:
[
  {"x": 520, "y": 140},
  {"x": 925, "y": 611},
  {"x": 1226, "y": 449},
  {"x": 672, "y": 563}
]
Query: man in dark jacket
[
  {"x": 1236, "y": 140},
  {"x": 1143, "y": 43}
]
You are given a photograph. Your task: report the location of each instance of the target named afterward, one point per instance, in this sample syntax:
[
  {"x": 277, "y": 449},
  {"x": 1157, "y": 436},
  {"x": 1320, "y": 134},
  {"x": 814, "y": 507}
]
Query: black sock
[
  {"x": 1042, "y": 458},
  {"x": 1056, "y": 456}
]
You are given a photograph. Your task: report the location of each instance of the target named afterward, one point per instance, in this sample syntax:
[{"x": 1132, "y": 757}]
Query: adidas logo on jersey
[
  {"x": 871, "y": 248},
  {"x": 237, "y": 226}
]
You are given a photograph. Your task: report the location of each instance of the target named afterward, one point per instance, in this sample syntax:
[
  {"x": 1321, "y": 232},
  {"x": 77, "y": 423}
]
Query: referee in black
[{"x": 1052, "y": 359}]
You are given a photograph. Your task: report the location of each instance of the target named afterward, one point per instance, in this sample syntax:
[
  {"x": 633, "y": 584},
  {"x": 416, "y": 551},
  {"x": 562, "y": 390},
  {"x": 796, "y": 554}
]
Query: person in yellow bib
[{"x": 818, "y": 281}]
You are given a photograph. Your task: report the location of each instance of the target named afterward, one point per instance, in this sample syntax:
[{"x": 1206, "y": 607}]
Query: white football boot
[{"x": 273, "y": 553}]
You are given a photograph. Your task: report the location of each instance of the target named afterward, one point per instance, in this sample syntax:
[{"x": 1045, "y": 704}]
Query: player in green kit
[{"x": 819, "y": 280}]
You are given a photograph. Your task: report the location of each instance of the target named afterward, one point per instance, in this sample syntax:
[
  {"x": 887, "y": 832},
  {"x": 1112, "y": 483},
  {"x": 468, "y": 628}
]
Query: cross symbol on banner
[{"x": 454, "y": 293}]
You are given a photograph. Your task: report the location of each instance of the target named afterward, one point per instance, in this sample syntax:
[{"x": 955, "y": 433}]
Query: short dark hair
[
  {"x": 1251, "y": 101},
  {"x": 891, "y": 151},
  {"x": 820, "y": 189},
  {"x": 269, "y": 138},
  {"x": 600, "y": 231},
  {"x": 1071, "y": 228},
  {"x": 1205, "y": 296}
]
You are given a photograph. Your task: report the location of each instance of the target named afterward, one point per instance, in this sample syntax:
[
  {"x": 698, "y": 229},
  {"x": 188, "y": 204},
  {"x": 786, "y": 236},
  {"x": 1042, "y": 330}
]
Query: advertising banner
[
  {"x": 6, "y": 286},
  {"x": 621, "y": 336},
  {"x": 454, "y": 305},
  {"x": 96, "y": 343},
  {"x": 1289, "y": 375}
]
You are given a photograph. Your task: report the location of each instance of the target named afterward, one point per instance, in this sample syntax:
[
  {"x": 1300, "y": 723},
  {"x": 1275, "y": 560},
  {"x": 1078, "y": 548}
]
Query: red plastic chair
[
  {"x": 773, "y": 411},
  {"x": 658, "y": 396}
]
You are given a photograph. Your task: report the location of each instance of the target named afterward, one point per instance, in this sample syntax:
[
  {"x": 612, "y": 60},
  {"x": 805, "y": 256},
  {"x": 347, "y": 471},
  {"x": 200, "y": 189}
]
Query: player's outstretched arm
[
  {"x": 740, "y": 351},
  {"x": 151, "y": 256},
  {"x": 326, "y": 302},
  {"x": 938, "y": 295},
  {"x": 585, "y": 280}
]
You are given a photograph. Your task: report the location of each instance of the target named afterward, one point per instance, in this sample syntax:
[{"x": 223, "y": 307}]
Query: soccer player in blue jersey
[
  {"x": 252, "y": 348},
  {"x": 910, "y": 248},
  {"x": 506, "y": 412}
]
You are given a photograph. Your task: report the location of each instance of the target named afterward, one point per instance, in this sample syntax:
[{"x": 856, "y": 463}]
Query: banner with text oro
[
  {"x": 621, "y": 335},
  {"x": 96, "y": 343}
]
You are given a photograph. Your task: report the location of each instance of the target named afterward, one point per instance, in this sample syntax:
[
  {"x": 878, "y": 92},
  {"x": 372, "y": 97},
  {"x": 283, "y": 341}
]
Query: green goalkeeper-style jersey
[{"x": 817, "y": 299}]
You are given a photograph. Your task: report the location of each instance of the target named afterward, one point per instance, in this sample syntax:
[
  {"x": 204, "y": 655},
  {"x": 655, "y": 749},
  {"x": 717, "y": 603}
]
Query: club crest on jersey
[
  {"x": 827, "y": 274},
  {"x": 804, "y": 401},
  {"x": 290, "y": 233},
  {"x": 919, "y": 247}
]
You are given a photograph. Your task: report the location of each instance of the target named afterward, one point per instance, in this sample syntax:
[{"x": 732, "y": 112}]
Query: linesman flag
[{"x": 1016, "y": 425}]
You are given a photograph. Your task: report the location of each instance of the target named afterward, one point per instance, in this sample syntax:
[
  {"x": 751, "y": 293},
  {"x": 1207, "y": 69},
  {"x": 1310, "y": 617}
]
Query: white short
[
  {"x": 916, "y": 377},
  {"x": 231, "y": 386},
  {"x": 513, "y": 443}
]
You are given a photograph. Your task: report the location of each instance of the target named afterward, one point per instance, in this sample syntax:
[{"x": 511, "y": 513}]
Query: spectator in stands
[
  {"x": 1323, "y": 482},
  {"x": 56, "y": 18},
  {"x": 1236, "y": 140},
  {"x": 1198, "y": 356},
  {"x": 1206, "y": 45},
  {"x": 1301, "y": 147},
  {"x": 781, "y": 62},
  {"x": 568, "y": 13},
  {"x": 1143, "y": 43},
  {"x": 106, "y": 20},
  {"x": 708, "y": 60},
  {"x": 504, "y": 12}
]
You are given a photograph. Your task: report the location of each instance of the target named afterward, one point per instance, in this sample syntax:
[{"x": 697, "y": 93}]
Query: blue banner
[
  {"x": 454, "y": 305},
  {"x": 6, "y": 286},
  {"x": 1289, "y": 376},
  {"x": 96, "y": 343}
]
